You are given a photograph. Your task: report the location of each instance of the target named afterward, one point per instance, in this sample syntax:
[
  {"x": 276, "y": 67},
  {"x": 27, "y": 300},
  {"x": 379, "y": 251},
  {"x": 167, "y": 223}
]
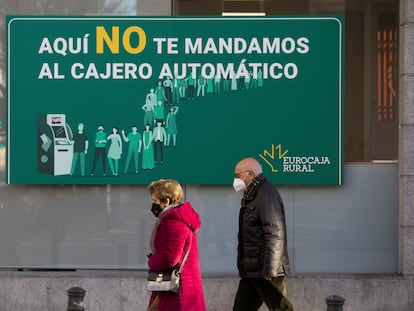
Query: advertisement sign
[{"x": 127, "y": 100}]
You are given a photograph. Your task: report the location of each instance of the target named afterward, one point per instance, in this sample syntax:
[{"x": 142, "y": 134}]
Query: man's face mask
[
  {"x": 239, "y": 185},
  {"x": 156, "y": 209}
]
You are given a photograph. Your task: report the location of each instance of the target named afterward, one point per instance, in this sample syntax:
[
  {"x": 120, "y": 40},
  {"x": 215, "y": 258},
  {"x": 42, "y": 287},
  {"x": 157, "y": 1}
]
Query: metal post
[
  {"x": 75, "y": 299},
  {"x": 334, "y": 303}
]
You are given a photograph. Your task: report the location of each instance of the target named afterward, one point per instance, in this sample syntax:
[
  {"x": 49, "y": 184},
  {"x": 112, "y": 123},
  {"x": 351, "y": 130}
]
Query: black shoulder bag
[{"x": 165, "y": 281}]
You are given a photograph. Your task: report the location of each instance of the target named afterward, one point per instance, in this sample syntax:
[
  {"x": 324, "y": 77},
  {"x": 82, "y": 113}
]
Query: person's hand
[{"x": 268, "y": 277}]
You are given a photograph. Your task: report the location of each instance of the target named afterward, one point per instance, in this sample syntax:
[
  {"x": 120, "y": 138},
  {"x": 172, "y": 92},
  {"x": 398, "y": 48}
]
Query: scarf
[
  {"x": 253, "y": 187},
  {"x": 154, "y": 229}
]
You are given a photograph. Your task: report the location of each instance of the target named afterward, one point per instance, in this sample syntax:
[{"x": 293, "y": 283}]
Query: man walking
[{"x": 262, "y": 250}]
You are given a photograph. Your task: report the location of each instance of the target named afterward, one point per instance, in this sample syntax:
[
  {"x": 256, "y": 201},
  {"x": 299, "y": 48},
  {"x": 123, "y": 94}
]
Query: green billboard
[{"x": 127, "y": 100}]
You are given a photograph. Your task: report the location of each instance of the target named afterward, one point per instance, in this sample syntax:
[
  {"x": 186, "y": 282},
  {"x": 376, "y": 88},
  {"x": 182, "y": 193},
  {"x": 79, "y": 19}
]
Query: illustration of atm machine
[{"x": 55, "y": 148}]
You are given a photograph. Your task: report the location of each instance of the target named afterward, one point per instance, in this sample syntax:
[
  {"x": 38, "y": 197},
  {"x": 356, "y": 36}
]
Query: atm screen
[
  {"x": 59, "y": 131},
  {"x": 56, "y": 120}
]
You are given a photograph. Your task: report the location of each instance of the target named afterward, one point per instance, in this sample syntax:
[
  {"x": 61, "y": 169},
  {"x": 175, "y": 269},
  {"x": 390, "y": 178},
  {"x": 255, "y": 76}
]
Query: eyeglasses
[{"x": 237, "y": 175}]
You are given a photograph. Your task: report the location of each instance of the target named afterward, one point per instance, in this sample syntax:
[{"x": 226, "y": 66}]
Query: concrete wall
[
  {"x": 21, "y": 291},
  {"x": 406, "y": 137}
]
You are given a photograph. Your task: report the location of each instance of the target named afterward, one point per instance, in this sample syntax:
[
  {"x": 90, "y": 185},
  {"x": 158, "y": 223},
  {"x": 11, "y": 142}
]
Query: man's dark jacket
[{"x": 262, "y": 249}]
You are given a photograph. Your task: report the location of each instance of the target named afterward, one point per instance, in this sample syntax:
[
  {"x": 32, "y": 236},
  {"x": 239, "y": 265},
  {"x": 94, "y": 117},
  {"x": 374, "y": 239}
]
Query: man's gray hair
[
  {"x": 252, "y": 165},
  {"x": 256, "y": 167}
]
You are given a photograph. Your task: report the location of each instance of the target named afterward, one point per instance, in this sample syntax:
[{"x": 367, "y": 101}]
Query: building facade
[{"x": 355, "y": 241}]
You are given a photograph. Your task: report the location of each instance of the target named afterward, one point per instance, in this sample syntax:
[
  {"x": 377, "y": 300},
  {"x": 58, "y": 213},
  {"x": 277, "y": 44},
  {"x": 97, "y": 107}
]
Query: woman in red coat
[{"x": 173, "y": 235}]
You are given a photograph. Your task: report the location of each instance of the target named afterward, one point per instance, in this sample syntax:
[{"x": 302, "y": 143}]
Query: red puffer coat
[{"x": 175, "y": 234}]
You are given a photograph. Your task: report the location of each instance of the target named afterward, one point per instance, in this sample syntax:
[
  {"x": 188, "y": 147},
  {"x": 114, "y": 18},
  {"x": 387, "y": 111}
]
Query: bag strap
[
  {"x": 186, "y": 255},
  {"x": 182, "y": 264}
]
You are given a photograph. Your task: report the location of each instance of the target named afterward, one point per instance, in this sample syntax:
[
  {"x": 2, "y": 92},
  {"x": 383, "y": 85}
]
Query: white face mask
[{"x": 239, "y": 185}]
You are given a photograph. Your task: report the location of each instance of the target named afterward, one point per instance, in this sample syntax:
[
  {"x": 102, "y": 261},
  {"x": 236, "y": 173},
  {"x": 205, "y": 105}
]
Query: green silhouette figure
[
  {"x": 176, "y": 90},
  {"x": 160, "y": 92},
  {"x": 134, "y": 148},
  {"x": 247, "y": 79},
  {"x": 171, "y": 126},
  {"x": 182, "y": 85},
  {"x": 148, "y": 149},
  {"x": 253, "y": 83},
  {"x": 233, "y": 85},
  {"x": 159, "y": 111},
  {"x": 226, "y": 84},
  {"x": 148, "y": 108},
  {"x": 168, "y": 90},
  {"x": 114, "y": 151},
  {"x": 80, "y": 149},
  {"x": 100, "y": 149},
  {"x": 210, "y": 86},
  {"x": 151, "y": 97},
  {"x": 259, "y": 78},
  {"x": 217, "y": 82},
  {"x": 190, "y": 86},
  {"x": 201, "y": 85},
  {"x": 160, "y": 139}
]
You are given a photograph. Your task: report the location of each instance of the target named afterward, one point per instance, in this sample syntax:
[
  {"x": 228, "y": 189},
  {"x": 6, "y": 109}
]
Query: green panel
[{"x": 281, "y": 103}]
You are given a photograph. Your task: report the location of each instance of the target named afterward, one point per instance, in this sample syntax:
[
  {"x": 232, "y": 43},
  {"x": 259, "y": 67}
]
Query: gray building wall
[
  {"x": 124, "y": 291},
  {"x": 406, "y": 137}
]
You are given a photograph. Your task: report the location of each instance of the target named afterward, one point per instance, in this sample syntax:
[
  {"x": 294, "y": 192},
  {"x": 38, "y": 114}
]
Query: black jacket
[{"x": 262, "y": 248}]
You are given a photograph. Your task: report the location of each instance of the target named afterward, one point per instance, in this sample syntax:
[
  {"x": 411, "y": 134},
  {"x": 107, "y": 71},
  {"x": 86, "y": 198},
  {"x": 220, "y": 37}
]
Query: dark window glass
[{"x": 371, "y": 64}]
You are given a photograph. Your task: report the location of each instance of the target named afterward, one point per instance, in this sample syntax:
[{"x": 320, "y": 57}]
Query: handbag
[{"x": 165, "y": 281}]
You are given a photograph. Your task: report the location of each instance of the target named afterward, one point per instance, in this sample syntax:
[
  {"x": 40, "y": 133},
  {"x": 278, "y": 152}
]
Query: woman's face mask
[{"x": 156, "y": 209}]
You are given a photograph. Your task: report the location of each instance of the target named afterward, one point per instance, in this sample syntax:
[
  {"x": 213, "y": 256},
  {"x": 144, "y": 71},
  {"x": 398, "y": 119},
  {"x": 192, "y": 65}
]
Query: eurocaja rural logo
[{"x": 279, "y": 159}]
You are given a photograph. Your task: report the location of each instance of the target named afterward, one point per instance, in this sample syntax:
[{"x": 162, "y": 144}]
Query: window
[{"x": 371, "y": 64}]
